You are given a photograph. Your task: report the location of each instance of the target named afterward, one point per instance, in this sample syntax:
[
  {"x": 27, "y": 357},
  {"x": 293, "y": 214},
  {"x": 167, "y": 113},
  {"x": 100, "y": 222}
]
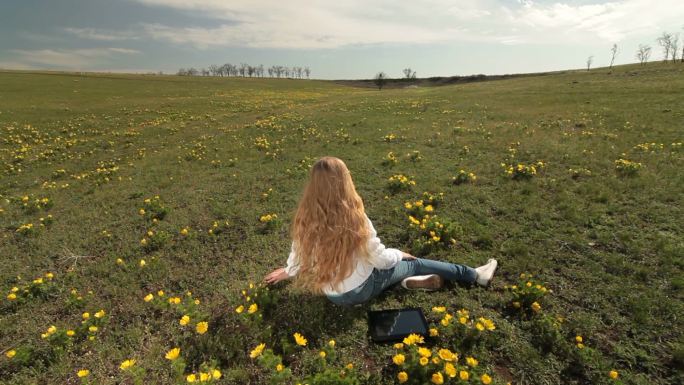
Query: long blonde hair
[{"x": 329, "y": 227}]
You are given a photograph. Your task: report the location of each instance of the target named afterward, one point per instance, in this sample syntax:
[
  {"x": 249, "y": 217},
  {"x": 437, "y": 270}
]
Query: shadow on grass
[{"x": 313, "y": 315}]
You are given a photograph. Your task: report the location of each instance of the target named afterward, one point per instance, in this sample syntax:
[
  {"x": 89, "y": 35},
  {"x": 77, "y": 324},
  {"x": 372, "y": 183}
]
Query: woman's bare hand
[
  {"x": 276, "y": 276},
  {"x": 407, "y": 257}
]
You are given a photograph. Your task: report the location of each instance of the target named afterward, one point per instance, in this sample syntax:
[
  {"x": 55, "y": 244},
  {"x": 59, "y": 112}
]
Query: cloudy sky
[{"x": 336, "y": 39}]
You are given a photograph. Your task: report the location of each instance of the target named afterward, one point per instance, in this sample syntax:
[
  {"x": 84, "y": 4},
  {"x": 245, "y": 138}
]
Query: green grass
[{"x": 609, "y": 246}]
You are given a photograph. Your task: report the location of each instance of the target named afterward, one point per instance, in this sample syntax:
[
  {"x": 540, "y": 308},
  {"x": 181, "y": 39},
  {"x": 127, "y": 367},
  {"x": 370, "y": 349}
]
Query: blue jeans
[{"x": 380, "y": 280}]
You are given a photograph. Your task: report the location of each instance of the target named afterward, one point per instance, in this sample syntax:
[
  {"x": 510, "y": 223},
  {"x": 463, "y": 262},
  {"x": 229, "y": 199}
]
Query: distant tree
[
  {"x": 675, "y": 47},
  {"x": 590, "y": 59},
  {"x": 380, "y": 79},
  {"x": 260, "y": 70},
  {"x": 213, "y": 70},
  {"x": 182, "y": 72},
  {"x": 409, "y": 74},
  {"x": 665, "y": 41},
  {"x": 643, "y": 53},
  {"x": 613, "y": 52},
  {"x": 205, "y": 72},
  {"x": 307, "y": 72}
]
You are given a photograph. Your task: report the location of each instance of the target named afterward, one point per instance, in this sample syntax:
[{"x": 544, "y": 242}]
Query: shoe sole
[{"x": 433, "y": 282}]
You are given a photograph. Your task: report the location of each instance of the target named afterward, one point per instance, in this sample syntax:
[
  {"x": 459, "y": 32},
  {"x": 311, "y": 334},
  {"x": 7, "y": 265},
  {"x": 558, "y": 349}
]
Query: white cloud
[
  {"x": 102, "y": 35},
  {"x": 74, "y": 58},
  {"x": 307, "y": 24}
]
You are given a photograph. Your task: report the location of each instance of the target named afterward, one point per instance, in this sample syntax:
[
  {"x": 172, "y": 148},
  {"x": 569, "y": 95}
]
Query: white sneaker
[
  {"x": 486, "y": 272},
  {"x": 425, "y": 282}
]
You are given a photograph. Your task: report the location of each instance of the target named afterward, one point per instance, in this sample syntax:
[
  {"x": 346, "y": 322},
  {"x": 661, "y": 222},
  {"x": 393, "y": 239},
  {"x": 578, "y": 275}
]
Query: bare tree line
[
  {"x": 246, "y": 70},
  {"x": 668, "y": 42}
]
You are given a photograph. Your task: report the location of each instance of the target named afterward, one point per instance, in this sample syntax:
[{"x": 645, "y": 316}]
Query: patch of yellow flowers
[{"x": 437, "y": 365}]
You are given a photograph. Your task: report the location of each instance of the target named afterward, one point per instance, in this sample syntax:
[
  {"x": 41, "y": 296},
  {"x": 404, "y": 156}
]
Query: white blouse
[{"x": 380, "y": 257}]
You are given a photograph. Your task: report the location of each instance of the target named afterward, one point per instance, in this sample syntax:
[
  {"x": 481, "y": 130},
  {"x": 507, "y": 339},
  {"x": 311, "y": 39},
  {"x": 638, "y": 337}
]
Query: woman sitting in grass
[{"x": 336, "y": 251}]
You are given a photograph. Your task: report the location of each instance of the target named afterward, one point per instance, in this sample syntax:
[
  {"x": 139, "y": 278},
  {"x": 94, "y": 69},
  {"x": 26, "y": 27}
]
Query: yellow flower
[
  {"x": 479, "y": 326},
  {"x": 127, "y": 364},
  {"x": 83, "y": 373},
  {"x": 580, "y": 346},
  {"x": 184, "y": 320},
  {"x": 256, "y": 352},
  {"x": 446, "y": 320},
  {"x": 174, "y": 300},
  {"x": 142, "y": 263},
  {"x": 11, "y": 296},
  {"x": 579, "y": 339},
  {"x": 535, "y": 306},
  {"x": 413, "y": 339},
  {"x": 184, "y": 231},
  {"x": 398, "y": 359},
  {"x": 613, "y": 374},
  {"x": 402, "y": 377},
  {"x": 202, "y": 327},
  {"x": 143, "y": 241},
  {"x": 331, "y": 343},
  {"x": 239, "y": 309},
  {"x": 86, "y": 315},
  {"x": 437, "y": 378},
  {"x": 434, "y": 332},
  {"x": 148, "y": 297},
  {"x": 253, "y": 309},
  {"x": 190, "y": 378},
  {"x": 172, "y": 354},
  {"x": 435, "y": 360},
  {"x": 322, "y": 354},
  {"x": 463, "y": 375},
  {"x": 11, "y": 353},
  {"x": 398, "y": 345},
  {"x": 279, "y": 368},
  {"x": 423, "y": 361},
  {"x": 141, "y": 211},
  {"x": 488, "y": 324},
  {"x": 486, "y": 379},
  {"x": 450, "y": 370},
  {"x": 119, "y": 261},
  {"x": 447, "y": 355},
  {"x": 204, "y": 377},
  {"x": 100, "y": 314},
  {"x": 160, "y": 293},
  {"x": 92, "y": 329},
  {"x": 471, "y": 362},
  {"x": 70, "y": 333},
  {"x": 299, "y": 339},
  {"x": 349, "y": 366},
  {"x": 216, "y": 374},
  {"x": 424, "y": 352}
]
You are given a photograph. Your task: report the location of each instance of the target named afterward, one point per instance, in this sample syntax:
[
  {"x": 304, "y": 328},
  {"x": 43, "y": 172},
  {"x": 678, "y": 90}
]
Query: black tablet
[{"x": 395, "y": 324}]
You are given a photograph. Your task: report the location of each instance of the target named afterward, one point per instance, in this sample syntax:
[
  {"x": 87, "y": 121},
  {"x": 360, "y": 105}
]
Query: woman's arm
[
  {"x": 276, "y": 276},
  {"x": 290, "y": 270}
]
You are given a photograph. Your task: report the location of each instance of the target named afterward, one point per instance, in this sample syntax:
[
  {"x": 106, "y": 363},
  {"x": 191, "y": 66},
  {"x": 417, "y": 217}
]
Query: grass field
[{"x": 83, "y": 158}]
